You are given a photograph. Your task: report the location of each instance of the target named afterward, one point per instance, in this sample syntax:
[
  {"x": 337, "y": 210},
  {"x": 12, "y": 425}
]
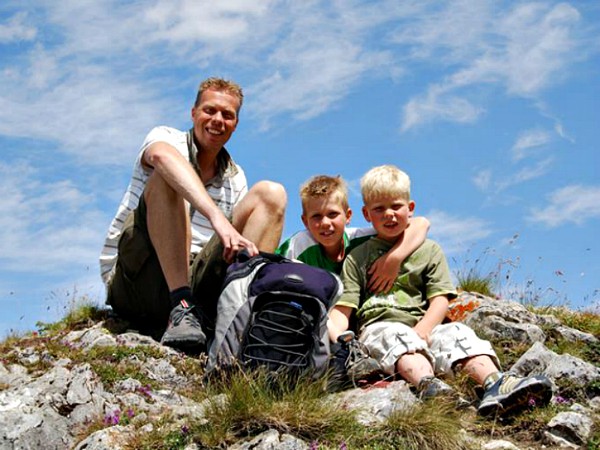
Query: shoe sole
[
  {"x": 184, "y": 344},
  {"x": 540, "y": 393}
]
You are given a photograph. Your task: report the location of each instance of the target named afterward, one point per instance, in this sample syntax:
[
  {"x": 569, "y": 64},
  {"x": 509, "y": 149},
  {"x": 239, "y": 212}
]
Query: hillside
[{"x": 88, "y": 382}]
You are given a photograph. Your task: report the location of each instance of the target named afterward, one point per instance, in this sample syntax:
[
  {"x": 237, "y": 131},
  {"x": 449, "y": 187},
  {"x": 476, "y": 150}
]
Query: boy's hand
[
  {"x": 423, "y": 331},
  {"x": 382, "y": 273}
]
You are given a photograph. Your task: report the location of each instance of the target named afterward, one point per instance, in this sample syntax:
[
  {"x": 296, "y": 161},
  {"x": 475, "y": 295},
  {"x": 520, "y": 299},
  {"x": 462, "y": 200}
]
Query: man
[{"x": 185, "y": 215}]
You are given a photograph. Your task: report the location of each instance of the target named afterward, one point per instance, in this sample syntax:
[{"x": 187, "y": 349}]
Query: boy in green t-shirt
[
  {"x": 403, "y": 330},
  {"x": 327, "y": 238}
]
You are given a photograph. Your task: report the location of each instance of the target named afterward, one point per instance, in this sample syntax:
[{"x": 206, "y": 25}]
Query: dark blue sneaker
[
  {"x": 431, "y": 386},
  {"x": 512, "y": 392},
  {"x": 184, "y": 331}
]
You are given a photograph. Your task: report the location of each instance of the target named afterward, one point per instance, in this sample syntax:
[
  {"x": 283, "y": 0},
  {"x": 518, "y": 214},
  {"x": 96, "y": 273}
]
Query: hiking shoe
[
  {"x": 184, "y": 331},
  {"x": 511, "y": 392},
  {"x": 431, "y": 386},
  {"x": 360, "y": 366}
]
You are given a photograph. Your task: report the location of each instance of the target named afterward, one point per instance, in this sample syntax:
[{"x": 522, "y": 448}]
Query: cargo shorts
[
  {"x": 138, "y": 290},
  {"x": 449, "y": 344}
]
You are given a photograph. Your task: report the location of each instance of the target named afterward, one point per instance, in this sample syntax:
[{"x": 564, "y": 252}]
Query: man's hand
[
  {"x": 233, "y": 241},
  {"x": 382, "y": 273}
]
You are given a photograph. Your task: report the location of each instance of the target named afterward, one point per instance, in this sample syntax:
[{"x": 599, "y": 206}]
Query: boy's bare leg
[
  {"x": 479, "y": 367},
  {"x": 259, "y": 216},
  {"x": 413, "y": 367}
]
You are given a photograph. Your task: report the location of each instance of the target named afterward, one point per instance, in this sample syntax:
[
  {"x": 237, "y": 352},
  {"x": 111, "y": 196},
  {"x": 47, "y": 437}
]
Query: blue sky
[{"x": 492, "y": 107}]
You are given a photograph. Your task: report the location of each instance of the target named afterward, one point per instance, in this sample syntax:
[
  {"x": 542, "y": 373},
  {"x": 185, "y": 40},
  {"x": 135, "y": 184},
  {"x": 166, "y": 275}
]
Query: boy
[
  {"x": 327, "y": 239},
  {"x": 403, "y": 330}
]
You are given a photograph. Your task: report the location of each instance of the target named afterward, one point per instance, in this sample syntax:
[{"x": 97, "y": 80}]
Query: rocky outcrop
[{"x": 57, "y": 403}]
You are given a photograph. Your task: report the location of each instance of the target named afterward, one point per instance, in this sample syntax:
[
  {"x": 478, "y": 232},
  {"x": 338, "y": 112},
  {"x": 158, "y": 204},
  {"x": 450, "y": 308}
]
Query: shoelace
[{"x": 186, "y": 314}]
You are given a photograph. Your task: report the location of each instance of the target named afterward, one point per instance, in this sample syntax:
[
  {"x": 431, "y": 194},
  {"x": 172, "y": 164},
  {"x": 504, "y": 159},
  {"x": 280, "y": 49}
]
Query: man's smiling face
[{"x": 215, "y": 119}]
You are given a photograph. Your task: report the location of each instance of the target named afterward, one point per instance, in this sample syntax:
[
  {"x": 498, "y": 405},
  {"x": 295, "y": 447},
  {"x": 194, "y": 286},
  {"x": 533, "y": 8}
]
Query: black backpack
[{"x": 272, "y": 312}]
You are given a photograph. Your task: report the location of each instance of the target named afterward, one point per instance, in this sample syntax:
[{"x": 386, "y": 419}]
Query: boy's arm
[
  {"x": 384, "y": 271},
  {"x": 438, "y": 307},
  {"x": 339, "y": 321}
]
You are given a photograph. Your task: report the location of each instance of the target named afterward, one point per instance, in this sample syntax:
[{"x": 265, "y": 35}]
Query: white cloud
[
  {"x": 528, "y": 173},
  {"x": 570, "y": 204},
  {"x": 456, "y": 233},
  {"x": 527, "y": 140},
  {"x": 438, "y": 106},
  {"x": 46, "y": 226},
  {"x": 483, "y": 179},
  {"x": 15, "y": 29},
  {"x": 523, "y": 50}
]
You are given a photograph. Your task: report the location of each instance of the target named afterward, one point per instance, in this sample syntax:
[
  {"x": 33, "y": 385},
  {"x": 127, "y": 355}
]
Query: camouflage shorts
[{"x": 449, "y": 344}]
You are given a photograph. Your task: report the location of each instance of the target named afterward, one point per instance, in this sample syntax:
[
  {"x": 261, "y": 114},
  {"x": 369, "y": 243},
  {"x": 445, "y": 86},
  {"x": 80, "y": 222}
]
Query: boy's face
[
  {"x": 389, "y": 216},
  {"x": 326, "y": 219}
]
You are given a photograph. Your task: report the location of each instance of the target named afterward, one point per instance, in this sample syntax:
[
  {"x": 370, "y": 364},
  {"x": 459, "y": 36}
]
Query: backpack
[{"x": 272, "y": 312}]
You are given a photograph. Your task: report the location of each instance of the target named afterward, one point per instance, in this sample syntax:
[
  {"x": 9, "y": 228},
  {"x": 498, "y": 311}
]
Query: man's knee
[{"x": 271, "y": 195}]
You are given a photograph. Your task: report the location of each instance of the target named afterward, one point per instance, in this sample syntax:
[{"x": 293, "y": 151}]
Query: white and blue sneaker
[{"x": 512, "y": 392}]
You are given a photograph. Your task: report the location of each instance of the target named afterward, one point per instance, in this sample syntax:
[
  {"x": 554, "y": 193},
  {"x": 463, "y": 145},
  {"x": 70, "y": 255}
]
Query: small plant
[
  {"x": 82, "y": 313},
  {"x": 433, "y": 425}
]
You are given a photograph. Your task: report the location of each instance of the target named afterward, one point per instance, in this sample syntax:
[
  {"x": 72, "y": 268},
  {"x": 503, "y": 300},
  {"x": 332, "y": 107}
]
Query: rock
[
  {"x": 271, "y": 440},
  {"x": 573, "y": 427},
  {"x": 107, "y": 439},
  {"x": 375, "y": 404},
  {"x": 499, "y": 445}
]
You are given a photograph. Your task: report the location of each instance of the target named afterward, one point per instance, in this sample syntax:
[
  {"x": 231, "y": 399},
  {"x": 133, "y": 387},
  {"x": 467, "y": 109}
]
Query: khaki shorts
[
  {"x": 450, "y": 343},
  {"x": 138, "y": 290}
]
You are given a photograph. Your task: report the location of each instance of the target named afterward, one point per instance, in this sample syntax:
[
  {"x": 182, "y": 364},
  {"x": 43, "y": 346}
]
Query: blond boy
[{"x": 403, "y": 330}]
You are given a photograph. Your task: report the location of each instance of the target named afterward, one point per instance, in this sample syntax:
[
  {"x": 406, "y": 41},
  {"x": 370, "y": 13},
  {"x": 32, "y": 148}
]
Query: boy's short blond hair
[
  {"x": 324, "y": 186},
  {"x": 221, "y": 85},
  {"x": 384, "y": 181}
]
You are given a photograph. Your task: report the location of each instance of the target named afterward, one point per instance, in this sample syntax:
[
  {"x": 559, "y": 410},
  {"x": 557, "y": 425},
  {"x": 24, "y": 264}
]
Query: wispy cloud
[
  {"x": 46, "y": 226},
  {"x": 457, "y": 233},
  {"x": 523, "y": 51},
  {"x": 571, "y": 204},
  {"x": 486, "y": 181},
  {"x": 15, "y": 29},
  {"x": 527, "y": 140}
]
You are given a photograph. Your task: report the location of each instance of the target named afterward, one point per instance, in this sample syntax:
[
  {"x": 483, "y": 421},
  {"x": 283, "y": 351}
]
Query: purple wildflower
[
  {"x": 559, "y": 399},
  {"x": 531, "y": 401},
  {"x": 145, "y": 390},
  {"x": 314, "y": 445},
  {"x": 130, "y": 413},
  {"x": 185, "y": 429},
  {"x": 343, "y": 446},
  {"x": 113, "y": 418}
]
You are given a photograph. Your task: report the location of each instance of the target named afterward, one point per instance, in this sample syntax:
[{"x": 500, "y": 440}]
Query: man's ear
[
  {"x": 348, "y": 215},
  {"x": 304, "y": 221},
  {"x": 365, "y": 212},
  {"x": 411, "y": 208}
]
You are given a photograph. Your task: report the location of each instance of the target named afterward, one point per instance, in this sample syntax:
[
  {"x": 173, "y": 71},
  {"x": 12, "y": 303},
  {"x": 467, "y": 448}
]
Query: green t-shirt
[
  {"x": 303, "y": 247},
  {"x": 423, "y": 275}
]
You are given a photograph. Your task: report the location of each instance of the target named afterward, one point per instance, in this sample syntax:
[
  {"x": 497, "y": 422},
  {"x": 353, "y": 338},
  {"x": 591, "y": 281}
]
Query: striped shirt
[{"x": 226, "y": 189}]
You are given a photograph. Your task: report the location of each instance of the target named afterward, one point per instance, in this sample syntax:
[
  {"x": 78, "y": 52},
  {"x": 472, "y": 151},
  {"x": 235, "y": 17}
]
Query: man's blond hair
[
  {"x": 221, "y": 85},
  {"x": 384, "y": 181},
  {"x": 324, "y": 186}
]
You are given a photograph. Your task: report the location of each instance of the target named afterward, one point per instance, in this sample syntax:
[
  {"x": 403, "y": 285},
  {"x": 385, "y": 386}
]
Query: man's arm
[
  {"x": 435, "y": 314},
  {"x": 179, "y": 174},
  {"x": 384, "y": 271}
]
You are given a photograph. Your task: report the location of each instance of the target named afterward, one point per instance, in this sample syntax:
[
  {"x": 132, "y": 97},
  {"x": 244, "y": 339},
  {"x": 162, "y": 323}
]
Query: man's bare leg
[
  {"x": 169, "y": 230},
  {"x": 259, "y": 216}
]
